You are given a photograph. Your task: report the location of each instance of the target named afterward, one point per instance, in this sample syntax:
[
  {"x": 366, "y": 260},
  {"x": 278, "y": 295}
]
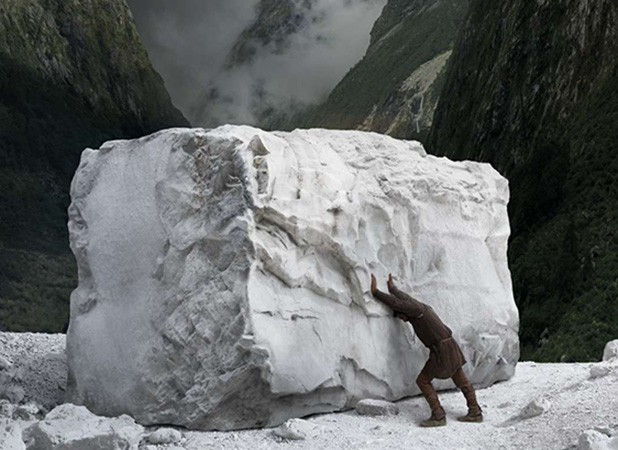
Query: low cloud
[{"x": 190, "y": 40}]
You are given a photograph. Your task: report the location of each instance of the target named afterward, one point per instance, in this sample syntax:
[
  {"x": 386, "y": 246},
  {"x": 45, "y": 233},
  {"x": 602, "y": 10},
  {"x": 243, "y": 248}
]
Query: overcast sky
[{"x": 189, "y": 40}]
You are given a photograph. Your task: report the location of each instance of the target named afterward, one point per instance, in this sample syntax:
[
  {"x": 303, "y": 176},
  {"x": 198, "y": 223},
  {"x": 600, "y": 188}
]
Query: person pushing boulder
[{"x": 445, "y": 357}]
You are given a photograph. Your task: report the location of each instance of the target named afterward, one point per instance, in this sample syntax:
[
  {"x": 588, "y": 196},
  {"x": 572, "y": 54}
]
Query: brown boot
[
  {"x": 438, "y": 416},
  {"x": 434, "y": 421},
  {"x": 475, "y": 413},
  {"x": 472, "y": 416}
]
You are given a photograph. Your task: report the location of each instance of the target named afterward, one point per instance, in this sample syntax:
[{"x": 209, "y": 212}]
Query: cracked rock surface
[{"x": 224, "y": 274}]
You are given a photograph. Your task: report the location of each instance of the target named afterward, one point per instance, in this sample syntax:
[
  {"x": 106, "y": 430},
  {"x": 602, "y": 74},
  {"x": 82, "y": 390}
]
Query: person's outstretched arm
[
  {"x": 417, "y": 306},
  {"x": 396, "y": 304}
]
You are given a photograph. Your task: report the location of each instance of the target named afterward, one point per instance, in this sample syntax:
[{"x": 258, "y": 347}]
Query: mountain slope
[
  {"x": 533, "y": 89},
  {"x": 396, "y": 86},
  {"x": 73, "y": 73}
]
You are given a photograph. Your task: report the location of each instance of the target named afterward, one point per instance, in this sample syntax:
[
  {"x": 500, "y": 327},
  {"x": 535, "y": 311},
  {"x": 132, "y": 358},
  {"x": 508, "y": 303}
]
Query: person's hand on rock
[
  {"x": 401, "y": 316},
  {"x": 390, "y": 283}
]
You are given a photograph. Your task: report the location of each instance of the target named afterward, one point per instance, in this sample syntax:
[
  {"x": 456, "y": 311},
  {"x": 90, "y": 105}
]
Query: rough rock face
[
  {"x": 410, "y": 46},
  {"x": 532, "y": 88},
  {"x": 224, "y": 274}
]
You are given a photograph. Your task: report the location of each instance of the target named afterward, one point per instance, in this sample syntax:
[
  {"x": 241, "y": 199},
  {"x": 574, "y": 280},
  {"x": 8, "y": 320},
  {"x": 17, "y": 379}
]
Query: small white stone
[
  {"x": 371, "y": 407},
  {"x": 600, "y": 370},
  {"x": 611, "y": 350},
  {"x": 295, "y": 429},
  {"x": 74, "y": 427},
  {"x": 535, "y": 408},
  {"x": 164, "y": 436}
]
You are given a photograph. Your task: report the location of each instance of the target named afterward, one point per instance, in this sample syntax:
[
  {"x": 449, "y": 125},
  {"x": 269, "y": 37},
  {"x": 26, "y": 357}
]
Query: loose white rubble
[
  {"x": 38, "y": 369},
  {"x": 296, "y": 429},
  {"x": 579, "y": 404},
  {"x": 224, "y": 274},
  {"x": 74, "y": 427}
]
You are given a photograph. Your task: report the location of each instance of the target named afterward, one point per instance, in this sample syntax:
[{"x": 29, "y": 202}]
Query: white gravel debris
[
  {"x": 579, "y": 406},
  {"x": 38, "y": 369}
]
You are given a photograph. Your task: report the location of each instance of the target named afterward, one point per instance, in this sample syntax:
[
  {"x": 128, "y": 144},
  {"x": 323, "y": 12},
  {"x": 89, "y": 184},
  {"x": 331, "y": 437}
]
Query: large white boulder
[
  {"x": 224, "y": 274},
  {"x": 70, "y": 427}
]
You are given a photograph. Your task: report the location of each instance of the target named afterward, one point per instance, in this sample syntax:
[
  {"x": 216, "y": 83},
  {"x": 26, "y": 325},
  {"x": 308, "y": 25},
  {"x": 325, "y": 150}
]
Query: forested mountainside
[
  {"x": 532, "y": 88},
  {"x": 396, "y": 86},
  {"x": 73, "y": 73}
]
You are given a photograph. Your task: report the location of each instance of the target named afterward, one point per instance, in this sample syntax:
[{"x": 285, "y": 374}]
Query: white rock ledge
[{"x": 224, "y": 274}]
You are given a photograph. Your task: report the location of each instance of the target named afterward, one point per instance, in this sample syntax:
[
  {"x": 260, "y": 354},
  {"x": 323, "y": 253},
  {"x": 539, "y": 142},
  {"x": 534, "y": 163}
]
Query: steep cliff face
[
  {"x": 533, "y": 89},
  {"x": 396, "y": 86},
  {"x": 73, "y": 73}
]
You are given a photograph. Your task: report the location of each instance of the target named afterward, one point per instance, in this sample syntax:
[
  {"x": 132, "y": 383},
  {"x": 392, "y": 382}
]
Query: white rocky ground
[{"x": 570, "y": 402}]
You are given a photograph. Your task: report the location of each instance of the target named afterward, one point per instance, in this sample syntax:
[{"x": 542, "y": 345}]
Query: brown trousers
[{"x": 461, "y": 381}]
